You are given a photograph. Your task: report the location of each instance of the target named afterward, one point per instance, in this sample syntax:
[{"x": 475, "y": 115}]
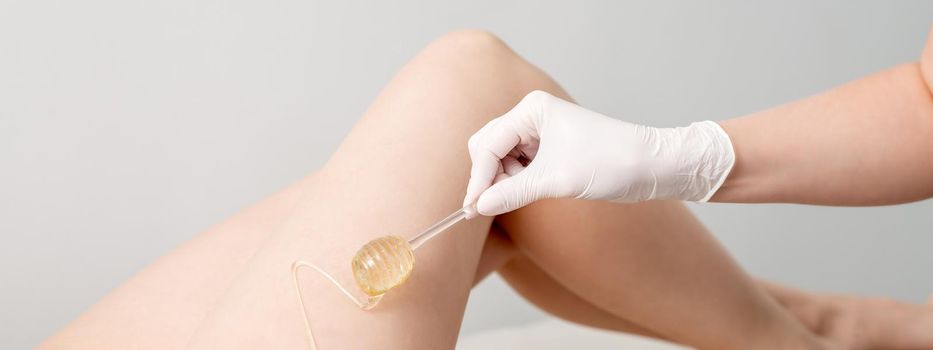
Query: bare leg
[
  {"x": 403, "y": 166},
  {"x": 860, "y": 323},
  {"x": 161, "y": 306},
  {"x": 542, "y": 290},
  {"x": 848, "y": 322},
  {"x": 655, "y": 265}
]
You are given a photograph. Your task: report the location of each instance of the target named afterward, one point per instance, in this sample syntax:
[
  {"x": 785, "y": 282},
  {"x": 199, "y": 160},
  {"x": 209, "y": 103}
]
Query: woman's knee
[
  {"x": 471, "y": 45},
  {"x": 478, "y": 60},
  {"x": 478, "y": 69}
]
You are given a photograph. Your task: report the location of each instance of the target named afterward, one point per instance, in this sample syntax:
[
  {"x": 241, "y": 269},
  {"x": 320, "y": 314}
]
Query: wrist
[
  {"x": 718, "y": 160},
  {"x": 701, "y": 159}
]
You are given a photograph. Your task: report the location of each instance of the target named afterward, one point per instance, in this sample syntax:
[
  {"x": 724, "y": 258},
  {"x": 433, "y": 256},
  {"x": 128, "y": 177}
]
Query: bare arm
[{"x": 869, "y": 142}]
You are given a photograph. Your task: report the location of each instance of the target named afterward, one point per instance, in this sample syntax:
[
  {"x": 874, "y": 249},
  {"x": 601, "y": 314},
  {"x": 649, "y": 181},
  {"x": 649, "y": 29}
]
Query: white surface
[{"x": 553, "y": 334}]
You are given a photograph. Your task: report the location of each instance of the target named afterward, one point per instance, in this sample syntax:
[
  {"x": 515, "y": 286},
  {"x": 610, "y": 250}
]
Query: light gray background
[{"x": 127, "y": 127}]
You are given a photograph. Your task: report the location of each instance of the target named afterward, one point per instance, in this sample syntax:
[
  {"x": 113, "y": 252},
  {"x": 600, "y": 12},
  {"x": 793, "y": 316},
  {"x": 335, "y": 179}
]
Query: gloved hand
[{"x": 546, "y": 147}]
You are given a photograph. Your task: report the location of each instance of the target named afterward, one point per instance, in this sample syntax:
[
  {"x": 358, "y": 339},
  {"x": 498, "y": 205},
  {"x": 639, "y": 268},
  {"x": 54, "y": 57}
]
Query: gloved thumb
[{"x": 509, "y": 194}]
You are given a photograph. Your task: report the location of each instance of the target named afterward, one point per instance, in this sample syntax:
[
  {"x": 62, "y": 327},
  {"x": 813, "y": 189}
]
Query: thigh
[
  {"x": 403, "y": 166},
  {"x": 539, "y": 288},
  {"x": 162, "y": 305},
  {"x": 652, "y": 263}
]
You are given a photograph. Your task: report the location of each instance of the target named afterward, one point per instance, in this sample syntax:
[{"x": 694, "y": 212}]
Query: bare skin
[
  {"x": 874, "y": 134},
  {"x": 231, "y": 288},
  {"x": 860, "y": 323}
]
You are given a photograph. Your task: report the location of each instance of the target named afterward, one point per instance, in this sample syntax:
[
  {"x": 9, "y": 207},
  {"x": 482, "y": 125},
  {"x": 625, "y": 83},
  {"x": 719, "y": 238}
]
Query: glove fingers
[
  {"x": 510, "y": 192},
  {"x": 488, "y": 147},
  {"x": 510, "y": 167},
  {"x": 497, "y": 140},
  {"x": 485, "y": 165}
]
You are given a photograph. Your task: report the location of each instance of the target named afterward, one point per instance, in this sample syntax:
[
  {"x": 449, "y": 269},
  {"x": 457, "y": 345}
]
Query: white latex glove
[{"x": 546, "y": 147}]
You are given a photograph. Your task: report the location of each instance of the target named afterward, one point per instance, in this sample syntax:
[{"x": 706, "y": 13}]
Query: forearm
[{"x": 869, "y": 142}]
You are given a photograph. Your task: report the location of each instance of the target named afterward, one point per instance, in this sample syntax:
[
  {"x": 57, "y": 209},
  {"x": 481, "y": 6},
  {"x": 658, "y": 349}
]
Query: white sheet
[{"x": 553, "y": 334}]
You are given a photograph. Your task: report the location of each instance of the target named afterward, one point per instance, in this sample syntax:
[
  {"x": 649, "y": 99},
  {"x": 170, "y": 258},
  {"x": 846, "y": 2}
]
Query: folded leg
[
  {"x": 655, "y": 265},
  {"x": 403, "y": 166}
]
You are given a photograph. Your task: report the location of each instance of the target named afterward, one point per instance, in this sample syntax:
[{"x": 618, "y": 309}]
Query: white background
[{"x": 126, "y": 127}]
